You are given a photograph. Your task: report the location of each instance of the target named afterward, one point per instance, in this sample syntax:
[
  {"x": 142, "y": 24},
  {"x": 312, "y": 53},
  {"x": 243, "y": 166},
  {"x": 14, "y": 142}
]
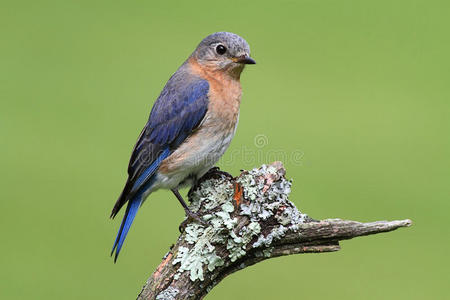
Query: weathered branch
[{"x": 248, "y": 219}]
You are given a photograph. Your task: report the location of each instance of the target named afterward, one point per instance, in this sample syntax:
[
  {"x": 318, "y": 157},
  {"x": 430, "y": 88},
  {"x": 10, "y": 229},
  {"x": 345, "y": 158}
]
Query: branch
[{"x": 248, "y": 219}]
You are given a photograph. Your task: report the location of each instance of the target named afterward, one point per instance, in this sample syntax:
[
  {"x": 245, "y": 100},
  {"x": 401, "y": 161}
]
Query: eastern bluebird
[{"x": 190, "y": 126}]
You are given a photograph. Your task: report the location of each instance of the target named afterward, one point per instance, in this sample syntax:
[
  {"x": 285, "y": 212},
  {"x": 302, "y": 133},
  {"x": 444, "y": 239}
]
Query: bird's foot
[
  {"x": 191, "y": 217},
  {"x": 214, "y": 173}
]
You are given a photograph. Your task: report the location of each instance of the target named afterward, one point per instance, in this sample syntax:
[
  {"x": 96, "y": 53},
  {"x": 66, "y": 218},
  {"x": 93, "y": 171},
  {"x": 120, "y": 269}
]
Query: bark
[{"x": 247, "y": 219}]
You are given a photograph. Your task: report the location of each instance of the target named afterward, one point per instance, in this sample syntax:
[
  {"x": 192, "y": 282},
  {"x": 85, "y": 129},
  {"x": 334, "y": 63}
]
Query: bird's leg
[{"x": 190, "y": 215}]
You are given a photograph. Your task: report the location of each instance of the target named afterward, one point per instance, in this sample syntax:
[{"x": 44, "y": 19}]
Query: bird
[{"x": 190, "y": 126}]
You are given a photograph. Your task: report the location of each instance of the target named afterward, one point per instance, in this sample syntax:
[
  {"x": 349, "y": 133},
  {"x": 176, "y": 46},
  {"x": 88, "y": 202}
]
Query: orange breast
[
  {"x": 224, "y": 93},
  {"x": 209, "y": 141}
]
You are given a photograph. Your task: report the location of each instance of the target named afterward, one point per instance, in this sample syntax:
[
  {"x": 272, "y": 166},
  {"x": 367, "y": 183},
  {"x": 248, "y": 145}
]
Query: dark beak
[{"x": 244, "y": 59}]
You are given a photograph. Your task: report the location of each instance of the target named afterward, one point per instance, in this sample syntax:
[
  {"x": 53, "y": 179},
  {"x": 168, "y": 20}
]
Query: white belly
[{"x": 196, "y": 156}]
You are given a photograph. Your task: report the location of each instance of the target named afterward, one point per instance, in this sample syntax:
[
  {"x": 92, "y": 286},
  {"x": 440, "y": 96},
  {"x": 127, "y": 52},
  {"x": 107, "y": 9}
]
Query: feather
[
  {"x": 128, "y": 218},
  {"x": 179, "y": 109},
  {"x": 177, "y": 112}
]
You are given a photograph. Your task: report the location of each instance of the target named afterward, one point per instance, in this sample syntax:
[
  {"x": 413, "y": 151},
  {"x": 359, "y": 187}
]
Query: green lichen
[
  {"x": 211, "y": 194},
  {"x": 223, "y": 218},
  {"x": 248, "y": 182},
  {"x": 202, "y": 253},
  {"x": 228, "y": 207},
  {"x": 269, "y": 201},
  {"x": 285, "y": 217},
  {"x": 277, "y": 233},
  {"x": 214, "y": 261},
  {"x": 268, "y": 252},
  {"x": 193, "y": 231},
  {"x": 263, "y": 201},
  {"x": 237, "y": 243},
  {"x": 168, "y": 294}
]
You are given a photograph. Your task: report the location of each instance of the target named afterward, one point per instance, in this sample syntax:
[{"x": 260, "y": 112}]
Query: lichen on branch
[
  {"x": 235, "y": 220},
  {"x": 247, "y": 219}
]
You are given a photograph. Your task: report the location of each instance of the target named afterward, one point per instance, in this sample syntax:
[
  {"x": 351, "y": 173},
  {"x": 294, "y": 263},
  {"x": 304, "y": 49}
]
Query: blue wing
[{"x": 177, "y": 112}]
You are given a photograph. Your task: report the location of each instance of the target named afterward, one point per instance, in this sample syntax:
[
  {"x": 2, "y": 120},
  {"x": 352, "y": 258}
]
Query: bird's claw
[
  {"x": 191, "y": 217},
  {"x": 215, "y": 171}
]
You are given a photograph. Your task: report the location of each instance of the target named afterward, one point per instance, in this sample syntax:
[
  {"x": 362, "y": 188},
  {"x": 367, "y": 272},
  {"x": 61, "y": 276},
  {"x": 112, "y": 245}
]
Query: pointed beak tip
[
  {"x": 250, "y": 61},
  {"x": 246, "y": 60}
]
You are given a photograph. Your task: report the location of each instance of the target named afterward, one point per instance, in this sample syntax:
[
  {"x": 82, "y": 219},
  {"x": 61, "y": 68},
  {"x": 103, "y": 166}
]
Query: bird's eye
[{"x": 220, "y": 49}]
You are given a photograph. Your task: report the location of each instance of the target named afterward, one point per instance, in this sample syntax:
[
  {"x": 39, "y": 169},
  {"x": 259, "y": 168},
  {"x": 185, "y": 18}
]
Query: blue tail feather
[
  {"x": 142, "y": 184},
  {"x": 130, "y": 213}
]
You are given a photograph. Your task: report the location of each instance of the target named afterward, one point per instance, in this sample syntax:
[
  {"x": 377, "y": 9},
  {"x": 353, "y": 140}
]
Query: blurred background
[{"x": 353, "y": 96}]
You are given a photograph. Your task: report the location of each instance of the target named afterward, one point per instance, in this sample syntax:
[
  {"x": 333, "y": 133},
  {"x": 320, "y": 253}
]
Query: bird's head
[{"x": 223, "y": 51}]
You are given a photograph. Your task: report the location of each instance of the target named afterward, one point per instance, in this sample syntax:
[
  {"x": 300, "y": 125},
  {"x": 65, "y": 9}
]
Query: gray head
[{"x": 224, "y": 51}]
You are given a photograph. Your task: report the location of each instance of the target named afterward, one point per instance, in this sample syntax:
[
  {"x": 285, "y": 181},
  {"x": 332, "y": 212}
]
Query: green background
[{"x": 359, "y": 88}]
